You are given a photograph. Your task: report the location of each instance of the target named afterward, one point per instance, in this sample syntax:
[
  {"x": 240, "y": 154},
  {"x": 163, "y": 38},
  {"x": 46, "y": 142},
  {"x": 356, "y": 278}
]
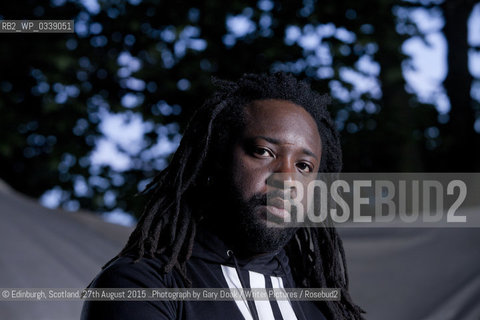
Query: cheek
[{"x": 248, "y": 176}]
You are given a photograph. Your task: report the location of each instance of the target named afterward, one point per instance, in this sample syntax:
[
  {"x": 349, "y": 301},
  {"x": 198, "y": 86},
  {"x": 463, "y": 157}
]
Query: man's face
[{"x": 279, "y": 137}]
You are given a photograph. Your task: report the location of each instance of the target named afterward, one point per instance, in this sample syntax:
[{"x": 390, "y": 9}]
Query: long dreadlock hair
[{"x": 168, "y": 224}]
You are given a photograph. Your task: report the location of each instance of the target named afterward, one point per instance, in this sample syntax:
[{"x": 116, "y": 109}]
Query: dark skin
[{"x": 279, "y": 137}]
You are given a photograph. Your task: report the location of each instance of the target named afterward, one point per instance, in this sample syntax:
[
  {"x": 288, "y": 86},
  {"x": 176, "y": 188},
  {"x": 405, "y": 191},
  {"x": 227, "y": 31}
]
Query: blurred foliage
[{"x": 153, "y": 59}]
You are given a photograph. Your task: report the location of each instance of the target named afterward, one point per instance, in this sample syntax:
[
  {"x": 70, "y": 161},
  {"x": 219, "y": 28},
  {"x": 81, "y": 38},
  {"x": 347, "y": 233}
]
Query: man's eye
[
  {"x": 262, "y": 152},
  {"x": 305, "y": 167}
]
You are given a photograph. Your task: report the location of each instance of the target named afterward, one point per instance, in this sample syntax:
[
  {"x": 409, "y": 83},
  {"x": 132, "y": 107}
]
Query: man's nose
[
  {"x": 286, "y": 169},
  {"x": 283, "y": 174}
]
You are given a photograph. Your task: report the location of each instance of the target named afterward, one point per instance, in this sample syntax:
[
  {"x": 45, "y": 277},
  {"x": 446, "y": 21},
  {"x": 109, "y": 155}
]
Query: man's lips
[{"x": 276, "y": 210}]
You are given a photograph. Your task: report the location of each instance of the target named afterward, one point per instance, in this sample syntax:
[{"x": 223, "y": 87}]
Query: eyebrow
[{"x": 276, "y": 141}]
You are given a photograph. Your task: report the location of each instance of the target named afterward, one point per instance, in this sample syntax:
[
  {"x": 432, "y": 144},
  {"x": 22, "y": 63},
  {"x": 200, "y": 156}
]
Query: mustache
[{"x": 261, "y": 199}]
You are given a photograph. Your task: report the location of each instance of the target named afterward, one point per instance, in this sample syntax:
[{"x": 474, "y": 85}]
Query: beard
[{"x": 243, "y": 223}]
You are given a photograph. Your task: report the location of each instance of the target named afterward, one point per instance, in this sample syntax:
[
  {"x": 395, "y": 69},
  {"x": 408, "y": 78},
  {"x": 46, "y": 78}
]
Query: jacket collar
[{"x": 211, "y": 248}]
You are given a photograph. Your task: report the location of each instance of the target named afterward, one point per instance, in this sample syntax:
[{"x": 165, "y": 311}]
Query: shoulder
[{"x": 126, "y": 272}]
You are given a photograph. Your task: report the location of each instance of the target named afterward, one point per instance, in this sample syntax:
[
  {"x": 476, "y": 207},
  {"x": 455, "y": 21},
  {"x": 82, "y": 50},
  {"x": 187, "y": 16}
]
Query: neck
[{"x": 233, "y": 241}]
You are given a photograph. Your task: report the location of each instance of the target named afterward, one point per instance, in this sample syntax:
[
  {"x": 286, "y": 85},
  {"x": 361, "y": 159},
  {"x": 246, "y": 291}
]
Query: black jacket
[{"x": 212, "y": 265}]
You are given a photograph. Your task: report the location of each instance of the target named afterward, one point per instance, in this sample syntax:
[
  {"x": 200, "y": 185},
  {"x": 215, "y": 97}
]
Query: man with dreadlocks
[{"x": 205, "y": 224}]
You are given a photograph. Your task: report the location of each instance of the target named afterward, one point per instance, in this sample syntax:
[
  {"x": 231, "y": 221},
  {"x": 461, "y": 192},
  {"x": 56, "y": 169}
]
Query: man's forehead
[
  {"x": 269, "y": 113},
  {"x": 281, "y": 120}
]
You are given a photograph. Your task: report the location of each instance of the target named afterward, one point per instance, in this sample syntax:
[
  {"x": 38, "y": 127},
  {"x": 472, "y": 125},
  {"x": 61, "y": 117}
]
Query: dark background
[{"x": 154, "y": 59}]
